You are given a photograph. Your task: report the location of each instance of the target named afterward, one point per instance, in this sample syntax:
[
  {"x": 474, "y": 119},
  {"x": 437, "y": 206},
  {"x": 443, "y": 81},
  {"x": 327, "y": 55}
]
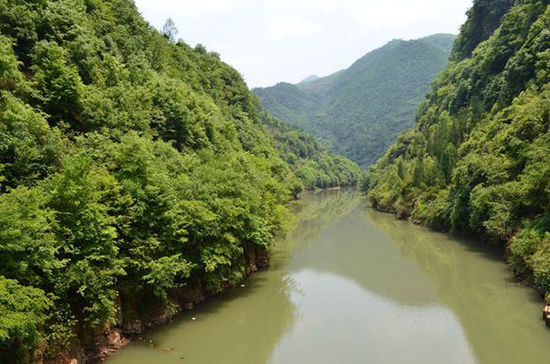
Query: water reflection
[
  {"x": 241, "y": 326},
  {"x": 340, "y": 322},
  {"x": 499, "y": 317},
  {"x": 360, "y": 301},
  {"x": 354, "y": 248}
]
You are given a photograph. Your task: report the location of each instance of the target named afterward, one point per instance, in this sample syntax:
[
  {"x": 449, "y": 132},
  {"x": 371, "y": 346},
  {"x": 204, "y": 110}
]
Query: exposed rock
[
  {"x": 262, "y": 259},
  {"x": 133, "y": 327},
  {"x": 116, "y": 339},
  {"x": 158, "y": 320}
]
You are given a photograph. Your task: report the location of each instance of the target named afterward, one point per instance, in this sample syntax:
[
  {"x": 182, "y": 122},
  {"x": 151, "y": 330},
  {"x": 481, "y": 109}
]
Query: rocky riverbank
[{"x": 93, "y": 347}]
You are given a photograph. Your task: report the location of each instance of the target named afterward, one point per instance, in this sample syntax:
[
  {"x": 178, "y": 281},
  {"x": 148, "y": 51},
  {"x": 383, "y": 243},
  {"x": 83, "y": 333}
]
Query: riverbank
[
  {"x": 404, "y": 214},
  {"x": 97, "y": 346}
]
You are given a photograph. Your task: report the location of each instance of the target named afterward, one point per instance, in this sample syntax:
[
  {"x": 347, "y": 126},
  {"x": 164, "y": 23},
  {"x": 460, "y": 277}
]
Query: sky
[{"x": 269, "y": 41}]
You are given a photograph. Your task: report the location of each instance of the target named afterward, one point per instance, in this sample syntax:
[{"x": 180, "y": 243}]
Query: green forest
[
  {"x": 358, "y": 112},
  {"x": 140, "y": 176},
  {"x": 137, "y": 173},
  {"x": 477, "y": 158},
  {"x": 308, "y": 159}
]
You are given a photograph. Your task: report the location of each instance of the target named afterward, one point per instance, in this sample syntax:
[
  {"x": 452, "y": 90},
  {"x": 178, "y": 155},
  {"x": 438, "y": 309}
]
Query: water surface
[{"x": 351, "y": 285}]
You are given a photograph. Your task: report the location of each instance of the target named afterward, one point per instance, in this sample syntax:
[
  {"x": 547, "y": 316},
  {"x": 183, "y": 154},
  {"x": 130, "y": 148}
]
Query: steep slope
[
  {"x": 136, "y": 175},
  {"x": 478, "y": 156},
  {"x": 359, "y": 111}
]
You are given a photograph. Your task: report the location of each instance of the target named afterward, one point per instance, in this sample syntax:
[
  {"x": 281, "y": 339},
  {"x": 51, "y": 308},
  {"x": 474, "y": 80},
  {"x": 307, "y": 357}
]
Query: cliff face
[{"x": 477, "y": 158}]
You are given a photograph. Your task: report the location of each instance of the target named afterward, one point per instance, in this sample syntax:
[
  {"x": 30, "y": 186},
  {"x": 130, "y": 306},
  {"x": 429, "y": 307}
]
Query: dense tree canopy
[
  {"x": 477, "y": 159},
  {"x": 131, "y": 165}
]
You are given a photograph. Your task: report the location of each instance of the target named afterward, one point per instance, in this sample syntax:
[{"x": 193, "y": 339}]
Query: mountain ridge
[
  {"x": 310, "y": 79},
  {"x": 349, "y": 111}
]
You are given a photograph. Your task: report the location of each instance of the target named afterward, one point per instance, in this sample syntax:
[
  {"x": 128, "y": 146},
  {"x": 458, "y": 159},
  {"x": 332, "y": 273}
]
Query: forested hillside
[
  {"x": 310, "y": 161},
  {"x": 136, "y": 175},
  {"x": 358, "y": 112},
  {"x": 478, "y": 157}
]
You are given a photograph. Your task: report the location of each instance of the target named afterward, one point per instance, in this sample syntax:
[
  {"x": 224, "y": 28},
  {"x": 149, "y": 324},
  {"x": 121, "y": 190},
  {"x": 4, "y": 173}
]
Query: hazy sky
[{"x": 270, "y": 41}]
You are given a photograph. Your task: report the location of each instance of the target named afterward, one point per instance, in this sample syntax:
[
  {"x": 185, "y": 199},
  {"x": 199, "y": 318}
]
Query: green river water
[{"x": 352, "y": 285}]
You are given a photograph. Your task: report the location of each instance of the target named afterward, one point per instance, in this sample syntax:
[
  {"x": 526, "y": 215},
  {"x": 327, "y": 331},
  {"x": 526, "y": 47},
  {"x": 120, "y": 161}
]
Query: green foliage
[
  {"x": 132, "y": 167},
  {"x": 358, "y": 112},
  {"x": 57, "y": 83},
  {"x": 484, "y": 128},
  {"x": 30, "y": 149},
  {"x": 164, "y": 273},
  {"x": 21, "y": 311},
  {"x": 483, "y": 18},
  {"x": 28, "y": 248},
  {"x": 10, "y": 76},
  {"x": 314, "y": 166}
]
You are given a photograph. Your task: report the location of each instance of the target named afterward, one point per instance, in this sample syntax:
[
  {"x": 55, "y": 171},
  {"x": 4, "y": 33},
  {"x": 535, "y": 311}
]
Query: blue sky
[{"x": 270, "y": 41}]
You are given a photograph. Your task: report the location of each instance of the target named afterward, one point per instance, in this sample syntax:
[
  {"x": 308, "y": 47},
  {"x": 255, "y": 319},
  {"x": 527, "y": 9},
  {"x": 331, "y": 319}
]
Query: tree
[{"x": 170, "y": 31}]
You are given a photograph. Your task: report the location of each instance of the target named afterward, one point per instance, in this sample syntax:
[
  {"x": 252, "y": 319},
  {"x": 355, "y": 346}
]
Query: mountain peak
[{"x": 310, "y": 79}]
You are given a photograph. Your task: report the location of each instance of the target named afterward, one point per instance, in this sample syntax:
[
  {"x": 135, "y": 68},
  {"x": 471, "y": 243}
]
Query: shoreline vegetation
[
  {"x": 138, "y": 175},
  {"x": 115, "y": 338},
  {"x": 477, "y": 158}
]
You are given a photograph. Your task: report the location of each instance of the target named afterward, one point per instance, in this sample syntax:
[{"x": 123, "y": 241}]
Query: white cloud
[
  {"x": 287, "y": 40},
  {"x": 188, "y": 8},
  {"x": 328, "y": 5},
  {"x": 393, "y": 13},
  {"x": 285, "y": 27},
  {"x": 409, "y": 16}
]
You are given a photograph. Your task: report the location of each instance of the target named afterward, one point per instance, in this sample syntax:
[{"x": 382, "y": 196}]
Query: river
[{"x": 352, "y": 285}]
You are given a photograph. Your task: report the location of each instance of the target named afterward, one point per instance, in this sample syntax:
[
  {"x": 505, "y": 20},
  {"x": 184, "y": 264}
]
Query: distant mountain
[
  {"x": 360, "y": 111},
  {"x": 310, "y": 79}
]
